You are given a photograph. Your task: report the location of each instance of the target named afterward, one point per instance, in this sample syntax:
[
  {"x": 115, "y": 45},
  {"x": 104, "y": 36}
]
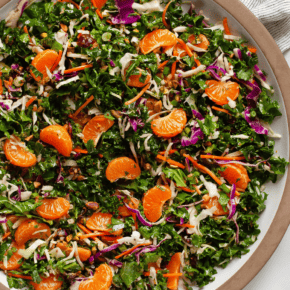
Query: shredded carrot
[
  {"x": 101, "y": 155},
  {"x": 30, "y": 101},
  {"x": 57, "y": 61},
  {"x": 252, "y": 49},
  {"x": 222, "y": 157},
  {"x": 222, "y": 110},
  {"x": 170, "y": 161},
  {"x": 131, "y": 250},
  {"x": 29, "y": 138},
  {"x": 109, "y": 21},
  {"x": 72, "y": 2},
  {"x": 170, "y": 152},
  {"x": 185, "y": 226},
  {"x": 68, "y": 71},
  {"x": 6, "y": 236},
  {"x": 164, "y": 13},
  {"x": 87, "y": 231},
  {"x": 82, "y": 106},
  {"x": 186, "y": 189},
  {"x": 185, "y": 47},
  {"x": 99, "y": 13},
  {"x": 198, "y": 63},
  {"x": 206, "y": 170},
  {"x": 172, "y": 275},
  {"x": 197, "y": 189},
  {"x": 225, "y": 23},
  {"x": 79, "y": 150},
  {"x": 1, "y": 87},
  {"x": 92, "y": 235},
  {"x": 19, "y": 276},
  {"x": 83, "y": 28},
  {"x": 173, "y": 68},
  {"x": 163, "y": 64},
  {"x": 138, "y": 96},
  {"x": 26, "y": 31}
]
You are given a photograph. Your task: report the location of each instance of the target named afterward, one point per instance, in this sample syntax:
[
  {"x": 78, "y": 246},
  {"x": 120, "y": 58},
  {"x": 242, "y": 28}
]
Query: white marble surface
[{"x": 275, "y": 274}]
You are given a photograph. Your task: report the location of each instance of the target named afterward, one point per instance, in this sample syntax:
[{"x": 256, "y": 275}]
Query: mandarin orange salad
[{"x": 135, "y": 143}]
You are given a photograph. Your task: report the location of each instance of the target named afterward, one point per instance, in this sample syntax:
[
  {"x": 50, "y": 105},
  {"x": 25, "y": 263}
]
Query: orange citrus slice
[
  {"x": 210, "y": 202},
  {"x": 53, "y": 208},
  {"x": 154, "y": 200},
  {"x": 102, "y": 279},
  {"x": 219, "y": 92},
  {"x": 170, "y": 125},
  {"x": 236, "y": 173},
  {"x": 157, "y": 38},
  {"x": 58, "y": 137},
  {"x": 178, "y": 50},
  {"x": 44, "y": 59},
  {"x": 100, "y": 221},
  {"x": 49, "y": 283},
  {"x": 122, "y": 167},
  {"x": 202, "y": 41},
  {"x": 134, "y": 81},
  {"x": 95, "y": 127},
  {"x": 31, "y": 229},
  {"x": 13, "y": 262},
  {"x": 83, "y": 253},
  {"x": 174, "y": 267},
  {"x": 133, "y": 203},
  {"x": 17, "y": 153}
]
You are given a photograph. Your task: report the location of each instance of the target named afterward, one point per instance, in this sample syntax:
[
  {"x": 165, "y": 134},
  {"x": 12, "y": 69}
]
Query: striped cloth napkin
[{"x": 275, "y": 15}]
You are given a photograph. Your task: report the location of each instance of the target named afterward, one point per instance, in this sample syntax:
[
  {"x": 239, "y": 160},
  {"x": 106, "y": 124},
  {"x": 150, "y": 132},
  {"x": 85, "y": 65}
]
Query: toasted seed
[
  {"x": 43, "y": 35},
  {"x": 92, "y": 205}
]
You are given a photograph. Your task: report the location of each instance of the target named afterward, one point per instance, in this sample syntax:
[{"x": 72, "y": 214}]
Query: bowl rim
[{"x": 281, "y": 71}]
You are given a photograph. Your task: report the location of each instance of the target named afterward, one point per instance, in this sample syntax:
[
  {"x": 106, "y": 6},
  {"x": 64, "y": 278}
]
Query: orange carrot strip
[
  {"x": 30, "y": 101},
  {"x": 198, "y": 63},
  {"x": 26, "y": 31},
  {"x": 83, "y": 28},
  {"x": 221, "y": 110},
  {"x": 173, "y": 68},
  {"x": 131, "y": 250},
  {"x": 252, "y": 49},
  {"x": 19, "y": 276},
  {"x": 72, "y": 2},
  {"x": 172, "y": 275},
  {"x": 138, "y": 96},
  {"x": 225, "y": 23},
  {"x": 164, "y": 13},
  {"x": 185, "y": 47},
  {"x": 1, "y": 87},
  {"x": 186, "y": 189},
  {"x": 68, "y": 71},
  {"x": 185, "y": 226},
  {"x": 92, "y": 235},
  {"x": 163, "y": 64},
  {"x": 6, "y": 236},
  {"x": 82, "y": 106},
  {"x": 99, "y": 13},
  {"x": 170, "y": 161},
  {"x": 57, "y": 61},
  {"x": 222, "y": 157},
  {"x": 197, "y": 189},
  {"x": 78, "y": 150},
  {"x": 170, "y": 152}
]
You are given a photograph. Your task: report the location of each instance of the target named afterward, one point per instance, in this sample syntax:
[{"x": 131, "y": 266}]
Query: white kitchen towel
[{"x": 275, "y": 15}]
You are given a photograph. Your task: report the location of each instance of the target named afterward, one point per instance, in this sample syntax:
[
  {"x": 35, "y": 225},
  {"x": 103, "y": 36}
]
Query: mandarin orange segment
[
  {"x": 44, "y": 59},
  {"x": 134, "y": 80},
  {"x": 31, "y": 229},
  {"x": 210, "y": 202},
  {"x": 122, "y": 167},
  {"x": 83, "y": 253},
  {"x": 154, "y": 200},
  {"x": 17, "y": 153},
  {"x": 174, "y": 267},
  {"x": 53, "y": 208},
  {"x": 201, "y": 41},
  {"x": 236, "y": 173},
  {"x": 157, "y": 38},
  {"x": 95, "y": 127},
  {"x": 100, "y": 221},
  {"x": 13, "y": 262},
  {"x": 49, "y": 283},
  {"x": 170, "y": 125},
  {"x": 133, "y": 203},
  {"x": 58, "y": 137},
  {"x": 219, "y": 92},
  {"x": 102, "y": 280},
  {"x": 99, "y": 3},
  {"x": 178, "y": 50}
]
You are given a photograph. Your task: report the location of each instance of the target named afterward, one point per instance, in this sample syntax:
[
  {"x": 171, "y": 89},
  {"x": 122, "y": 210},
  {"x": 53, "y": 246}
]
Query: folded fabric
[{"x": 275, "y": 15}]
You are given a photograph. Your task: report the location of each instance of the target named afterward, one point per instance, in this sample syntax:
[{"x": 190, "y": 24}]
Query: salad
[{"x": 135, "y": 144}]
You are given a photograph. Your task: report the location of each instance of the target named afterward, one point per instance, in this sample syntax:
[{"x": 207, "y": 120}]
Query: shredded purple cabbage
[
  {"x": 214, "y": 67},
  {"x": 59, "y": 177},
  {"x": 112, "y": 64},
  {"x": 139, "y": 216},
  {"x": 106, "y": 250},
  {"x": 232, "y": 201},
  {"x": 14, "y": 66},
  {"x": 197, "y": 114},
  {"x": 135, "y": 122},
  {"x": 196, "y": 135},
  {"x": 14, "y": 90},
  {"x": 116, "y": 263},
  {"x": 125, "y": 9},
  {"x": 6, "y": 107},
  {"x": 260, "y": 73},
  {"x": 23, "y": 7},
  {"x": 238, "y": 53},
  {"x": 255, "y": 124},
  {"x": 4, "y": 221}
]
